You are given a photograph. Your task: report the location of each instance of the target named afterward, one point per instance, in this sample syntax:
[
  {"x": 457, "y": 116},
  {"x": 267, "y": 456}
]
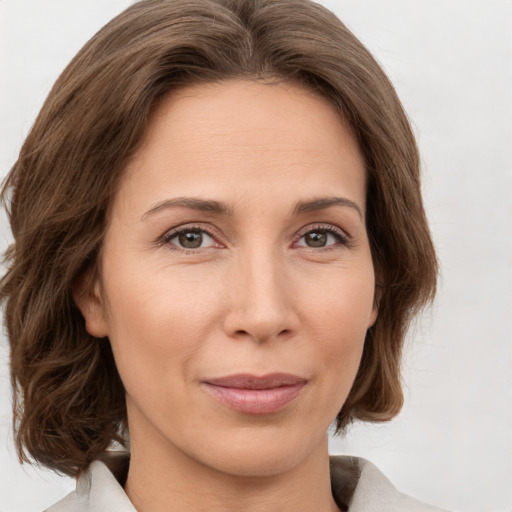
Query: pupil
[
  {"x": 191, "y": 239},
  {"x": 316, "y": 239}
]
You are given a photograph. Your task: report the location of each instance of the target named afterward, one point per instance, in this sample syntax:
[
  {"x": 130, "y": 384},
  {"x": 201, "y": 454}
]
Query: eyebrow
[
  {"x": 322, "y": 203},
  {"x": 192, "y": 203},
  {"x": 216, "y": 207}
]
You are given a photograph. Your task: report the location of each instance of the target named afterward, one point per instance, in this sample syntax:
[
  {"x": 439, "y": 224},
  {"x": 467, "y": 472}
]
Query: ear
[
  {"x": 374, "y": 313},
  {"x": 87, "y": 295},
  {"x": 377, "y": 295}
]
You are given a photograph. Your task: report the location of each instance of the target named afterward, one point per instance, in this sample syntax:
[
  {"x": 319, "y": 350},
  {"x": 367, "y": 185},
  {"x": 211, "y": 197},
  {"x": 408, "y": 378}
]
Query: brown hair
[{"x": 68, "y": 398}]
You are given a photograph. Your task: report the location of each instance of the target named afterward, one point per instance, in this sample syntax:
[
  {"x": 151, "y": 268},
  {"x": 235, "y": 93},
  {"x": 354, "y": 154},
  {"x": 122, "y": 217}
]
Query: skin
[{"x": 253, "y": 297}]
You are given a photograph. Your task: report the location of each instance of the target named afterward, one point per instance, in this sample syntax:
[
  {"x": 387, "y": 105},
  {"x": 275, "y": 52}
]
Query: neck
[{"x": 159, "y": 480}]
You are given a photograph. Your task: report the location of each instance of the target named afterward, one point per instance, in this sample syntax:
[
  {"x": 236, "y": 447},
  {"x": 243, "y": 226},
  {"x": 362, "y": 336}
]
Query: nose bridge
[{"x": 261, "y": 304}]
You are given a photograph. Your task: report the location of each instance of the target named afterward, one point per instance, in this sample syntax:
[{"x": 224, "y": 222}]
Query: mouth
[{"x": 251, "y": 394}]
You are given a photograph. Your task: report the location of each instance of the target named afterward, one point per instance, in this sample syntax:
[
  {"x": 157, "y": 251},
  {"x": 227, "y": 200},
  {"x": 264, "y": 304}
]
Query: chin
[{"x": 261, "y": 453}]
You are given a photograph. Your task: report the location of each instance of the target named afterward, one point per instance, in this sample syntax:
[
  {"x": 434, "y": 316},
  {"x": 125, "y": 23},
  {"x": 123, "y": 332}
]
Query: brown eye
[
  {"x": 320, "y": 238},
  {"x": 190, "y": 239},
  {"x": 316, "y": 239}
]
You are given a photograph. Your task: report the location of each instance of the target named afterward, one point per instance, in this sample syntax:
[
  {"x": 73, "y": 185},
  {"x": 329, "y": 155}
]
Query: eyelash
[
  {"x": 165, "y": 240},
  {"x": 341, "y": 237}
]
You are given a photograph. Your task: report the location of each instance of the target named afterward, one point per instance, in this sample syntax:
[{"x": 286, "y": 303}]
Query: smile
[{"x": 256, "y": 395}]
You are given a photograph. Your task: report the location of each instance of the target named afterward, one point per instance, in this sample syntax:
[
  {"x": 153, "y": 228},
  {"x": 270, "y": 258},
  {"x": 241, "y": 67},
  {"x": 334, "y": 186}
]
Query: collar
[{"x": 357, "y": 486}]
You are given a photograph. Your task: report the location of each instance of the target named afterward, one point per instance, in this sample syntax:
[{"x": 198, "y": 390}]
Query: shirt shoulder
[
  {"x": 97, "y": 489},
  {"x": 67, "y": 504},
  {"x": 362, "y": 487}
]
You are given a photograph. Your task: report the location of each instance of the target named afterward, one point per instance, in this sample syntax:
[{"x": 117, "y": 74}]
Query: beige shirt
[{"x": 357, "y": 486}]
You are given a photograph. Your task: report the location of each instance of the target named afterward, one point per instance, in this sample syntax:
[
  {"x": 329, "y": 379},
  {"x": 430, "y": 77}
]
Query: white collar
[{"x": 355, "y": 482}]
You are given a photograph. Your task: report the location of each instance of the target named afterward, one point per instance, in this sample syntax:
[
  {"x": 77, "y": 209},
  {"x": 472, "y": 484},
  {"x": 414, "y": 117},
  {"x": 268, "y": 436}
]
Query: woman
[{"x": 219, "y": 243}]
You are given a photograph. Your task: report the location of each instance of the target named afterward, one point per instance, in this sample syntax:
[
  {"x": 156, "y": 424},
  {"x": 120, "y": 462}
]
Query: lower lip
[{"x": 256, "y": 401}]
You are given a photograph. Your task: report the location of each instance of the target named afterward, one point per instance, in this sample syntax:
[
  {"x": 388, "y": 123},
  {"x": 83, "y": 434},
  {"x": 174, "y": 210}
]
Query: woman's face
[{"x": 236, "y": 281}]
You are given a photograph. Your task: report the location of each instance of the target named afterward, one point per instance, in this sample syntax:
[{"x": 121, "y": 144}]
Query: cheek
[
  {"x": 342, "y": 301},
  {"x": 339, "y": 346},
  {"x": 339, "y": 313},
  {"x": 156, "y": 322}
]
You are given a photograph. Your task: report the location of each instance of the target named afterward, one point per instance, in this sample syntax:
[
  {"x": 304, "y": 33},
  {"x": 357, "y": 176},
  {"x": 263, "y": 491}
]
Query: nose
[{"x": 261, "y": 300}]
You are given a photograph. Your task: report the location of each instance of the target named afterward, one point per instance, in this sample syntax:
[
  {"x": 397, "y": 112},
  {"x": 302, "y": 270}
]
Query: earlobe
[
  {"x": 376, "y": 303},
  {"x": 374, "y": 315},
  {"x": 88, "y": 298}
]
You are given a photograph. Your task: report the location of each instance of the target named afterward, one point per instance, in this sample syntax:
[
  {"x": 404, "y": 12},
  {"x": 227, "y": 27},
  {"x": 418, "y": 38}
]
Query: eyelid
[
  {"x": 183, "y": 228},
  {"x": 344, "y": 238}
]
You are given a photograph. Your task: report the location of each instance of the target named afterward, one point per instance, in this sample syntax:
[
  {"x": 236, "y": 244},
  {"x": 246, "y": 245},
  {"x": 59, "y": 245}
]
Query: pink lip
[{"x": 256, "y": 395}]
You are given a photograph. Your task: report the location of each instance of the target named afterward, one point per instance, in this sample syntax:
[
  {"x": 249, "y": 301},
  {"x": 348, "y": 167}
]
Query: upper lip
[{"x": 247, "y": 381}]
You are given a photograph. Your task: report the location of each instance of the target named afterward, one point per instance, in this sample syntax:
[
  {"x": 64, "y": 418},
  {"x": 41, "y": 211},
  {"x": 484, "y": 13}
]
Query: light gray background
[{"x": 451, "y": 63}]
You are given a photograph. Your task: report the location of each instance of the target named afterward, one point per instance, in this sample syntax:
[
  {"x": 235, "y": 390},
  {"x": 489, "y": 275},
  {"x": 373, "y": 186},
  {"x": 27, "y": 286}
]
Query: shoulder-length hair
[{"x": 69, "y": 403}]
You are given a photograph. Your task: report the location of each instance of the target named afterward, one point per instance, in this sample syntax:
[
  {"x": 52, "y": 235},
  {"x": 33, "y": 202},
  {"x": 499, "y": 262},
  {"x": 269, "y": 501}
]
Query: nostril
[{"x": 240, "y": 333}]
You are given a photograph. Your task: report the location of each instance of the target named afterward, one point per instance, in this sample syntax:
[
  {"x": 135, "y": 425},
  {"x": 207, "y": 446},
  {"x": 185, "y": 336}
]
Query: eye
[
  {"x": 322, "y": 237},
  {"x": 190, "y": 239}
]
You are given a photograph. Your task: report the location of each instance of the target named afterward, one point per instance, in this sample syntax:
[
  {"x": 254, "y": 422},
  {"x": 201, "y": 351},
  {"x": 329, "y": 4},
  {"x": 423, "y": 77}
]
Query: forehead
[
  {"x": 245, "y": 134},
  {"x": 249, "y": 109}
]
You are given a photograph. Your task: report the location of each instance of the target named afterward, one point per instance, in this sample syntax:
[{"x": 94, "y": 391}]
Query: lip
[{"x": 251, "y": 394}]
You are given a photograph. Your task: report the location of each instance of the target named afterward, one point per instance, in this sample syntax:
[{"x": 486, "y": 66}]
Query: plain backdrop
[{"x": 451, "y": 62}]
